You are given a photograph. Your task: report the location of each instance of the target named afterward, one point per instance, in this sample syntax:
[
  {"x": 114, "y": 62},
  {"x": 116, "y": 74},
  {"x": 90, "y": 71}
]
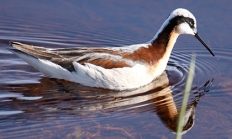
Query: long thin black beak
[{"x": 206, "y": 46}]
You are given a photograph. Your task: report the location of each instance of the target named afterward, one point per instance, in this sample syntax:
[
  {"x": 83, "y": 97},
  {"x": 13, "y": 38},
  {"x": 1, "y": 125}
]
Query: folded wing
[{"x": 65, "y": 57}]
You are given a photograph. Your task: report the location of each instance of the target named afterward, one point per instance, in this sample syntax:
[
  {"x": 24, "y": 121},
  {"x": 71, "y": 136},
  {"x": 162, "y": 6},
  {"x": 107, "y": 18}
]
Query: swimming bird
[{"x": 117, "y": 68}]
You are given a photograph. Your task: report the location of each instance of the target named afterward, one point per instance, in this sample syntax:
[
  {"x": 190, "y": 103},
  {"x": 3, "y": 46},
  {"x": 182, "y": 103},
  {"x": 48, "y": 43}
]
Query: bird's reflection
[{"x": 55, "y": 95}]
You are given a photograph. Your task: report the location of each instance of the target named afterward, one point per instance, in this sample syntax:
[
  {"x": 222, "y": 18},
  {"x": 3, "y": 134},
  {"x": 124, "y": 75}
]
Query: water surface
[{"x": 34, "y": 106}]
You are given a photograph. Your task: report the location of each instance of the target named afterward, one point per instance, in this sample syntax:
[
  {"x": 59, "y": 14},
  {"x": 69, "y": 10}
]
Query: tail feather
[
  {"x": 19, "y": 53},
  {"x": 35, "y": 51},
  {"x": 41, "y": 53}
]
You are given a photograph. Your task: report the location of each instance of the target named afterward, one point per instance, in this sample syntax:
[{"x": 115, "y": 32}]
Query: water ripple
[{"x": 28, "y": 99}]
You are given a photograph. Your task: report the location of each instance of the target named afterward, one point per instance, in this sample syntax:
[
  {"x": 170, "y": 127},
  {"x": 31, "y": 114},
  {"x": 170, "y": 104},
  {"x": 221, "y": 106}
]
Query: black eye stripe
[
  {"x": 181, "y": 19},
  {"x": 190, "y": 21}
]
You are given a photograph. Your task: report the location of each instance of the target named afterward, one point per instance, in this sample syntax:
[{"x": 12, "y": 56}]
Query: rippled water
[{"x": 34, "y": 106}]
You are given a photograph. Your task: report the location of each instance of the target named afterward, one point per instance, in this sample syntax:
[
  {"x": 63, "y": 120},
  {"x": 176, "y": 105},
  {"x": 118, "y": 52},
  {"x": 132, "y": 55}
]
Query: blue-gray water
[{"x": 33, "y": 106}]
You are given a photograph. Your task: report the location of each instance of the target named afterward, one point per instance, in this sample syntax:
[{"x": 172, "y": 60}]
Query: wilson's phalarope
[{"x": 117, "y": 68}]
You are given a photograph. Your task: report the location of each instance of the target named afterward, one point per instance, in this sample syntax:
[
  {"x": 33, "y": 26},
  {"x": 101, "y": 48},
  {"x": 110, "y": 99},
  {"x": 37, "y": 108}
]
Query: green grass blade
[{"x": 186, "y": 97}]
